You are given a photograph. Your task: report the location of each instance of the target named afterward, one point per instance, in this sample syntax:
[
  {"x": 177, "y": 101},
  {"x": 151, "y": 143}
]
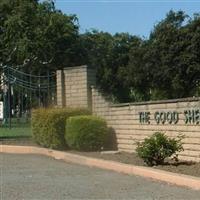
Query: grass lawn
[
  {"x": 18, "y": 129},
  {"x": 15, "y": 132}
]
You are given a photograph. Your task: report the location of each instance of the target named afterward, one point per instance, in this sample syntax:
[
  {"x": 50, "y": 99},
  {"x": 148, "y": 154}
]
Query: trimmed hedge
[
  {"x": 86, "y": 133},
  {"x": 48, "y": 125}
]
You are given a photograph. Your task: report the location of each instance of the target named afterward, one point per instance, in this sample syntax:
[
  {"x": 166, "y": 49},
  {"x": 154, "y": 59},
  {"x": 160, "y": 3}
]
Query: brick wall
[{"x": 125, "y": 118}]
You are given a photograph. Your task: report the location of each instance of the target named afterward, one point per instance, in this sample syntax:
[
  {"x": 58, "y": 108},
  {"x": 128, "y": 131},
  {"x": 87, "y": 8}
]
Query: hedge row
[
  {"x": 48, "y": 125},
  {"x": 75, "y": 128}
]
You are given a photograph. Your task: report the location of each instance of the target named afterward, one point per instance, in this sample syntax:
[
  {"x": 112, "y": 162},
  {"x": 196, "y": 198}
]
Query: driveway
[{"x": 39, "y": 177}]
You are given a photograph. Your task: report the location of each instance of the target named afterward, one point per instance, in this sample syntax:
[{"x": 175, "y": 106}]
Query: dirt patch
[
  {"x": 182, "y": 167},
  {"x": 188, "y": 168},
  {"x": 19, "y": 142}
]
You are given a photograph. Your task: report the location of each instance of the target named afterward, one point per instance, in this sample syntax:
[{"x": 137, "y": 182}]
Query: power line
[
  {"x": 31, "y": 75},
  {"x": 33, "y": 82},
  {"x": 28, "y": 86},
  {"x": 27, "y": 82}
]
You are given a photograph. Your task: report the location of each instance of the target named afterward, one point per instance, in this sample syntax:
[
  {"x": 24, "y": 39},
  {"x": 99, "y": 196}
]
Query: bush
[
  {"x": 155, "y": 149},
  {"x": 87, "y": 133},
  {"x": 48, "y": 125}
]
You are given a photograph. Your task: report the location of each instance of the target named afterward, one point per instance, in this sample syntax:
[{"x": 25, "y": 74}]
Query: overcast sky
[{"x": 135, "y": 17}]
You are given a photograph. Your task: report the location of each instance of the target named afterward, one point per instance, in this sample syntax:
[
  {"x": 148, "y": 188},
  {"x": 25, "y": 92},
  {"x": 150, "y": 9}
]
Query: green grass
[
  {"x": 18, "y": 129},
  {"x": 15, "y": 132}
]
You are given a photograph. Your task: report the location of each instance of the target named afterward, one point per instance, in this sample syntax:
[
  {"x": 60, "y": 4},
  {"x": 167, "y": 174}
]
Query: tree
[
  {"x": 36, "y": 35},
  {"x": 174, "y": 66},
  {"x": 138, "y": 74},
  {"x": 110, "y": 56},
  {"x": 167, "y": 64},
  {"x": 165, "y": 48}
]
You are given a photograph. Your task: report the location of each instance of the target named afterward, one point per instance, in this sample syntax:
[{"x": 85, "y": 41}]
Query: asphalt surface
[{"x": 39, "y": 177}]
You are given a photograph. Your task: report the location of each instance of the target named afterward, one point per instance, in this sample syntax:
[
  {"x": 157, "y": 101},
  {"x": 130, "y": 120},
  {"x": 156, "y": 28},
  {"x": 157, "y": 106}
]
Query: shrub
[
  {"x": 48, "y": 125},
  {"x": 155, "y": 149},
  {"x": 87, "y": 133}
]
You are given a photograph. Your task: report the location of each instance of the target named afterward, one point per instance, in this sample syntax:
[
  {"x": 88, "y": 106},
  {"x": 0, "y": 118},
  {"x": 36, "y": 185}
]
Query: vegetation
[
  {"x": 48, "y": 125},
  {"x": 19, "y": 129},
  {"x": 158, "y": 147},
  {"x": 86, "y": 133},
  {"x": 16, "y": 132},
  {"x": 38, "y": 37}
]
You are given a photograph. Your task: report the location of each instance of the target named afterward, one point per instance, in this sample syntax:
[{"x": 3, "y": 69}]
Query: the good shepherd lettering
[{"x": 170, "y": 117}]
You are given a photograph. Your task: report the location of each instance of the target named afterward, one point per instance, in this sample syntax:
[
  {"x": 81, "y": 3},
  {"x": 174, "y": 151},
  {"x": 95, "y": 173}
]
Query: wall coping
[
  {"x": 189, "y": 99},
  {"x": 77, "y": 67}
]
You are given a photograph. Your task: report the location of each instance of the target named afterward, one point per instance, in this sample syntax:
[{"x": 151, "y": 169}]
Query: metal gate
[{"x": 20, "y": 92}]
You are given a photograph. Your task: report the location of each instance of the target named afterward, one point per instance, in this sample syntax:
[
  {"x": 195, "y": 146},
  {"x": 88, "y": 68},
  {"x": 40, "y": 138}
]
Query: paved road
[{"x": 39, "y": 177}]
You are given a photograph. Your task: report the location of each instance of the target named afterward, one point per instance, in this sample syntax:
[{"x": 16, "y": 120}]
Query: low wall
[{"x": 134, "y": 122}]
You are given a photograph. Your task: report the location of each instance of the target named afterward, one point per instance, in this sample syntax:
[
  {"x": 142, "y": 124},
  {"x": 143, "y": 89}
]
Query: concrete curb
[{"x": 172, "y": 178}]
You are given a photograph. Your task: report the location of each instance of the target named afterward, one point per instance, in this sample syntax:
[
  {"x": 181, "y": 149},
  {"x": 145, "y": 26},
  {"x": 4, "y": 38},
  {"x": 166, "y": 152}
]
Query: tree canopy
[
  {"x": 36, "y": 34},
  {"x": 167, "y": 65},
  {"x": 38, "y": 37}
]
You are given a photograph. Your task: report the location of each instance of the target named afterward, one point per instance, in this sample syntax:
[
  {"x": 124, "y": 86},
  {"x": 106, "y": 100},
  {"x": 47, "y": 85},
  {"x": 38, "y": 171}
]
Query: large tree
[
  {"x": 36, "y": 35},
  {"x": 109, "y": 54},
  {"x": 174, "y": 56},
  {"x": 167, "y": 64}
]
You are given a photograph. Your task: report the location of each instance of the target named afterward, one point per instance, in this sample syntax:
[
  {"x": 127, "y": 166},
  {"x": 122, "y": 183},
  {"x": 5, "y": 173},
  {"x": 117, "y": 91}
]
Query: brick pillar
[
  {"x": 77, "y": 86},
  {"x": 60, "y": 88}
]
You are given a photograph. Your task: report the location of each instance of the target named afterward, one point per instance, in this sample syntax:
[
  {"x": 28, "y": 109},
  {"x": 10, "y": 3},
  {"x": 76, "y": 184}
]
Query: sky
[{"x": 136, "y": 17}]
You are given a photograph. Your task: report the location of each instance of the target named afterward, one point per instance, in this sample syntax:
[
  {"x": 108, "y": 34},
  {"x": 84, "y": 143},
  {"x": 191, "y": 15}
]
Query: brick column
[
  {"x": 74, "y": 86},
  {"x": 60, "y": 88}
]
